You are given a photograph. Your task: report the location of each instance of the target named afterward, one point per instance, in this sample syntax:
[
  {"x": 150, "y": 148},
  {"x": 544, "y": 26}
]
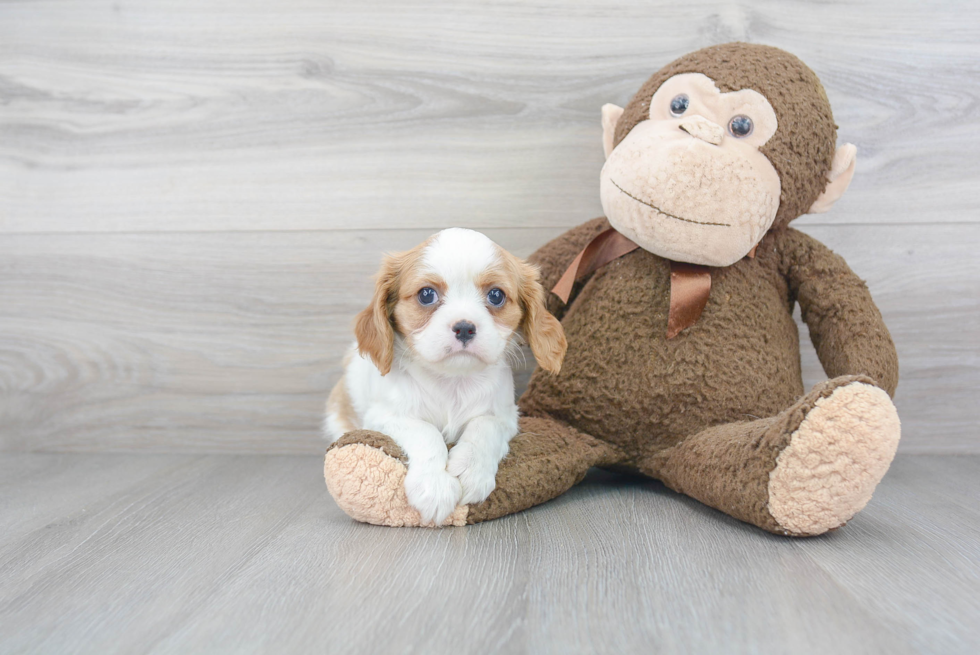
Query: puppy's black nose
[{"x": 464, "y": 331}]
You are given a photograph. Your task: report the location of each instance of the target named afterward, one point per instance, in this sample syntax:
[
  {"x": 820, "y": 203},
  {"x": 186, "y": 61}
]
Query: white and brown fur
[{"x": 410, "y": 377}]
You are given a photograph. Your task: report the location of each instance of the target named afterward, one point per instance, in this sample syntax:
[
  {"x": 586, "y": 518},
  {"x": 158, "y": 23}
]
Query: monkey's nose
[
  {"x": 701, "y": 128},
  {"x": 464, "y": 331}
]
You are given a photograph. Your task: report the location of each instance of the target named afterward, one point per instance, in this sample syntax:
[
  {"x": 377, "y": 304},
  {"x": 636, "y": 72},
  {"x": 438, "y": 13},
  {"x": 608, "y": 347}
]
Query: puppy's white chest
[{"x": 450, "y": 409}]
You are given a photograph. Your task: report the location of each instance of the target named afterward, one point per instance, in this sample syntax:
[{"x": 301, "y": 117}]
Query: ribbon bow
[{"x": 690, "y": 284}]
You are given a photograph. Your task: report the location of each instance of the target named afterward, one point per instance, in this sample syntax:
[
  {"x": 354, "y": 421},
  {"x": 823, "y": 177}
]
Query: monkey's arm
[
  {"x": 846, "y": 327},
  {"x": 555, "y": 256}
]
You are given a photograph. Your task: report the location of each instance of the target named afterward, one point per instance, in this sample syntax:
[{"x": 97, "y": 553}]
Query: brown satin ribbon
[
  {"x": 604, "y": 248},
  {"x": 690, "y": 284}
]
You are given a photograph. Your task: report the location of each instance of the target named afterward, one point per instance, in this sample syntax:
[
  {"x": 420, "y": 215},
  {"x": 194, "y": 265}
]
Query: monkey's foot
[
  {"x": 834, "y": 460},
  {"x": 365, "y": 473}
]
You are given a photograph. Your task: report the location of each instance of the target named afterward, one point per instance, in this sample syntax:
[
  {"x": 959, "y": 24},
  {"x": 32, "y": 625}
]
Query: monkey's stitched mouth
[{"x": 660, "y": 211}]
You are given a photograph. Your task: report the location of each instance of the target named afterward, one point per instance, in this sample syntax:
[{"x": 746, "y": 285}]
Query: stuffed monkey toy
[{"x": 683, "y": 358}]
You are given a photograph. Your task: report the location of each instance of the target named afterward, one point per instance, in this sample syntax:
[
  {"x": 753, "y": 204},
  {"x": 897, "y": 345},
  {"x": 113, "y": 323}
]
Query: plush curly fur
[{"x": 719, "y": 411}]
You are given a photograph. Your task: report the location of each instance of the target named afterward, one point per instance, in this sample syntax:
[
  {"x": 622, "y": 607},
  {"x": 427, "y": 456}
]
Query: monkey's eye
[
  {"x": 740, "y": 127},
  {"x": 496, "y": 297},
  {"x": 679, "y": 105},
  {"x": 428, "y": 296}
]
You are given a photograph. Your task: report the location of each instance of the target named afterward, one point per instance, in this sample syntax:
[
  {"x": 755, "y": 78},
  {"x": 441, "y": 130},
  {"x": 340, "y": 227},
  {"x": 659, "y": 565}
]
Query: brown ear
[
  {"x": 374, "y": 326},
  {"x": 542, "y": 331}
]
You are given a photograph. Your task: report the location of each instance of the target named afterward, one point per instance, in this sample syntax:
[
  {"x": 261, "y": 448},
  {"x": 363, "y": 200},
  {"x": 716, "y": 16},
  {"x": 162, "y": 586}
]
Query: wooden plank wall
[{"x": 194, "y": 194}]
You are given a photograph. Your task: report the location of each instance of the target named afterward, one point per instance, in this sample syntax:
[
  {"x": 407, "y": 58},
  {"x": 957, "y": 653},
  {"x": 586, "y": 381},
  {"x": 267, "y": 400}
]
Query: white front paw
[
  {"x": 433, "y": 492},
  {"x": 477, "y": 474}
]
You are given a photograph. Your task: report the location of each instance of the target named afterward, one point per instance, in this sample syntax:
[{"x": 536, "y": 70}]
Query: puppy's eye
[
  {"x": 679, "y": 104},
  {"x": 496, "y": 297},
  {"x": 740, "y": 126},
  {"x": 428, "y": 296}
]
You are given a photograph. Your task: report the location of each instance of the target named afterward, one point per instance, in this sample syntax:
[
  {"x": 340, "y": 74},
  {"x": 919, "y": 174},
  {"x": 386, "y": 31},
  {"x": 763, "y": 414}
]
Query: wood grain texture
[
  {"x": 164, "y": 115},
  {"x": 193, "y": 342},
  {"x": 230, "y": 342},
  {"x": 193, "y": 195},
  {"x": 230, "y": 554}
]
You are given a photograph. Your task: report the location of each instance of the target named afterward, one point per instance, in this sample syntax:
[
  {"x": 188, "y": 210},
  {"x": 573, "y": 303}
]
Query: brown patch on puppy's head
[
  {"x": 801, "y": 150},
  {"x": 542, "y": 331},
  {"x": 455, "y": 302},
  {"x": 374, "y": 327},
  {"x": 410, "y": 317}
]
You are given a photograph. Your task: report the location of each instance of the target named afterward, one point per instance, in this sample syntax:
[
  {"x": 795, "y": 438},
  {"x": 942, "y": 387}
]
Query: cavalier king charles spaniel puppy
[{"x": 430, "y": 365}]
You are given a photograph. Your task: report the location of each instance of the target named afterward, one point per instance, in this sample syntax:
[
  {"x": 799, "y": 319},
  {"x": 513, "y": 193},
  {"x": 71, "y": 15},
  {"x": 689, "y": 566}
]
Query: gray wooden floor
[{"x": 217, "y": 553}]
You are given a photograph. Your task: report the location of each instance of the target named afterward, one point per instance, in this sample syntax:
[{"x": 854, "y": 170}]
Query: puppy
[{"x": 429, "y": 367}]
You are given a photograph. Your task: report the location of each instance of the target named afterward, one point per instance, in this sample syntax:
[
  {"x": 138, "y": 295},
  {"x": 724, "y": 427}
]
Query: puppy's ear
[
  {"x": 374, "y": 326},
  {"x": 542, "y": 330}
]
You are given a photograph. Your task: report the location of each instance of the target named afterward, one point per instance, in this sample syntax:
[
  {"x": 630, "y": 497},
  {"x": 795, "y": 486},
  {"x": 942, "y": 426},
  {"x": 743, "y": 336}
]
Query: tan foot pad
[
  {"x": 370, "y": 486},
  {"x": 834, "y": 460}
]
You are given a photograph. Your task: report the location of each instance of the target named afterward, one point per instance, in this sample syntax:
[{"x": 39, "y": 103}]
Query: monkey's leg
[
  {"x": 545, "y": 460},
  {"x": 802, "y": 472},
  {"x": 365, "y": 473}
]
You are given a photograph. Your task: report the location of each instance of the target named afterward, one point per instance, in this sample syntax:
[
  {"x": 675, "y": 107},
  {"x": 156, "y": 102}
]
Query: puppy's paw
[
  {"x": 433, "y": 492},
  {"x": 477, "y": 474}
]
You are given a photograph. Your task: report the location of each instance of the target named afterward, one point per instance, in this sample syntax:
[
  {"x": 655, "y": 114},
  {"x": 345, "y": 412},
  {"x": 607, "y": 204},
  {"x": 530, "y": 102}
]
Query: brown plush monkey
[{"x": 683, "y": 357}]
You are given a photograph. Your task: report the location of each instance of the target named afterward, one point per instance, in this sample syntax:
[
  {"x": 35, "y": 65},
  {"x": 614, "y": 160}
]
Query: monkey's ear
[
  {"x": 839, "y": 178},
  {"x": 610, "y": 116}
]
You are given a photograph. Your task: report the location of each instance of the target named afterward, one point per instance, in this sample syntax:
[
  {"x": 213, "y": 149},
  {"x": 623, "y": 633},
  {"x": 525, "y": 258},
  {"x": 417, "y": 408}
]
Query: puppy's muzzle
[{"x": 464, "y": 331}]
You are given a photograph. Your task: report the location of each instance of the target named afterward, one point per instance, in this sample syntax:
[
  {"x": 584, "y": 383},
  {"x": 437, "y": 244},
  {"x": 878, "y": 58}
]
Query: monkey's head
[{"x": 717, "y": 148}]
